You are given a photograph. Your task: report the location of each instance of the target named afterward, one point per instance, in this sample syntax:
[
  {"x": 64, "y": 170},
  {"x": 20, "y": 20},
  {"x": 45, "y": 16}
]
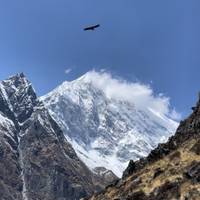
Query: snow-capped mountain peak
[
  {"x": 104, "y": 129},
  {"x": 19, "y": 94}
]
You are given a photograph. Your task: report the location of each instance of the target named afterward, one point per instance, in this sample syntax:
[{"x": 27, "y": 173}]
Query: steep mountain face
[
  {"x": 105, "y": 132},
  {"x": 11, "y": 184},
  {"x": 171, "y": 171},
  {"x": 36, "y": 160}
]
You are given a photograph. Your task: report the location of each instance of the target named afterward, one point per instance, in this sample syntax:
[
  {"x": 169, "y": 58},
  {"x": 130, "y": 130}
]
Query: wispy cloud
[
  {"x": 68, "y": 70},
  {"x": 175, "y": 115},
  {"x": 140, "y": 94}
]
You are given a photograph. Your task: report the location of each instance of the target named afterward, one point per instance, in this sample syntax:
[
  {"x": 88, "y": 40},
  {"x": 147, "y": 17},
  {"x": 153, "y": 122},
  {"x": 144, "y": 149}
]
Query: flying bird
[{"x": 91, "y": 28}]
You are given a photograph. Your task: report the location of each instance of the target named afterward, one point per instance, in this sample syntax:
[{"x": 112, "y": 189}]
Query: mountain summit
[{"x": 108, "y": 121}]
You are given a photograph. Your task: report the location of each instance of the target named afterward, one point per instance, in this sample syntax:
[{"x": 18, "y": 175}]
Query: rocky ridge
[
  {"x": 36, "y": 160},
  {"x": 171, "y": 171}
]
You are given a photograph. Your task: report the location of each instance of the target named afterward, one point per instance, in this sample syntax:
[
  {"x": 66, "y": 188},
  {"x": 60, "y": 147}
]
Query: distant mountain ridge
[{"x": 105, "y": 132}]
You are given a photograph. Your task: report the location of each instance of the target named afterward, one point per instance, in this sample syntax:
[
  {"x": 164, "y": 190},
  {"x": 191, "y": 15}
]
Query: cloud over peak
[
  {"x": 140, "y": 94},
  {"x": 68, "y": 70}
]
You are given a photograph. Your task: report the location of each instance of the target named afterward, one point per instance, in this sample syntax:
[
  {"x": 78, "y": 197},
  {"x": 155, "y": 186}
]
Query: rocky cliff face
[
  {"x": 171, "y": 171},
  {"x": 36, "y": 160}
]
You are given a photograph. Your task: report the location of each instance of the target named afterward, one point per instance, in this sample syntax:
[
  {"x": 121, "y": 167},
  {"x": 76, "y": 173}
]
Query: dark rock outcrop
[
  {"x": 36, "y": 161},
  {"x": 129, "y": 170},
  {"x": 11, "y": 184},
  {"x": 196, "y": 147},
  {"x": 167, "y": 191},
  {"x": 193, "y": 172},
  {"x": 104, "y": 177}
]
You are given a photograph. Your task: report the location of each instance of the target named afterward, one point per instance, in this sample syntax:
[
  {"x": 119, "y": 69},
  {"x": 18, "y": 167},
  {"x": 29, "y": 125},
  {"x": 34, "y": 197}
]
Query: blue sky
[{"x": 156, "y": 42}]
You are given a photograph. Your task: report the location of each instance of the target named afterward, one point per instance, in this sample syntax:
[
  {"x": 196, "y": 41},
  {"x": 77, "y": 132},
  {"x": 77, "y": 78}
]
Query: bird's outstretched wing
[{"x": 91, "y": 27}]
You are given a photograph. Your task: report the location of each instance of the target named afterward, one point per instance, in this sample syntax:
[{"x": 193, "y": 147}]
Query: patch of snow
[{"x": 2, "y": 89}]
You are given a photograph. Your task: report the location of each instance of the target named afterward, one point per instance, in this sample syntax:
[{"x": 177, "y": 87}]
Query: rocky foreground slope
[
  {"x": 36, "y": 160},
  {"x": 170, "y": 172}
]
